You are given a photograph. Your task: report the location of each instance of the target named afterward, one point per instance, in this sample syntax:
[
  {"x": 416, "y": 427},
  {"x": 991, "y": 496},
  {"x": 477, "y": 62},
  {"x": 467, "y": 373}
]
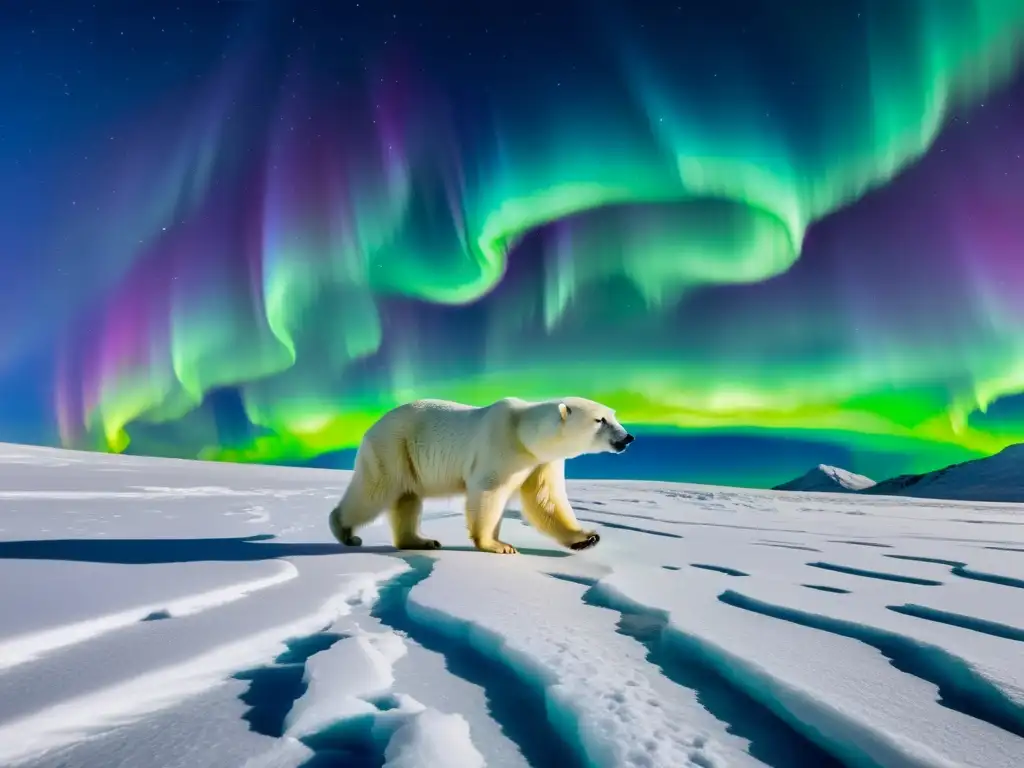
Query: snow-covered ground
[{"x": 160, "y": 613}]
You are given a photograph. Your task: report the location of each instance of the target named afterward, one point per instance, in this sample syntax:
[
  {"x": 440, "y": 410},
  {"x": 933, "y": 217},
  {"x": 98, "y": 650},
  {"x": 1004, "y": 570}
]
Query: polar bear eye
[{"x": 602, "y": 420}]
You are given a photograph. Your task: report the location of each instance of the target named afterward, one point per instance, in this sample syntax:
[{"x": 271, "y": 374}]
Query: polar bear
[{"x": 434, "y": 448}]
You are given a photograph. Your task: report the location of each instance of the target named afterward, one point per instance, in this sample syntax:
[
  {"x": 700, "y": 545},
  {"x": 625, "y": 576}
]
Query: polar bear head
[{"x": 570, "y": 427}]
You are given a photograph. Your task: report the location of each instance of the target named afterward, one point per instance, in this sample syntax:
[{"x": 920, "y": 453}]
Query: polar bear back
[{"x": 431, "y": 447}]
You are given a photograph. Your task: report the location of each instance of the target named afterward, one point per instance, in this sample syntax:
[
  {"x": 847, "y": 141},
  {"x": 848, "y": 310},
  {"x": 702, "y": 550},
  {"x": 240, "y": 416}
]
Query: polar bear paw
[
  {"x": 419, "y": 543},
  {"x": 348, "y": 538},
  {"x": 496, "y": 547},
  {"x": 591, "y": 540}
]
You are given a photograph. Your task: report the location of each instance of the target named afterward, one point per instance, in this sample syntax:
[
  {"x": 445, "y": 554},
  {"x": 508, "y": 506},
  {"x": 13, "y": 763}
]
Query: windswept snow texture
[
  {"x": 824, "y": 478},
  {"x": 187, "y": 615}
]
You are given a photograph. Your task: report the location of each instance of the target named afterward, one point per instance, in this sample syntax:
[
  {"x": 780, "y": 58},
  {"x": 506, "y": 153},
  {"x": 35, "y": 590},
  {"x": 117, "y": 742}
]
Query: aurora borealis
[{"x": 769, "y": 234}]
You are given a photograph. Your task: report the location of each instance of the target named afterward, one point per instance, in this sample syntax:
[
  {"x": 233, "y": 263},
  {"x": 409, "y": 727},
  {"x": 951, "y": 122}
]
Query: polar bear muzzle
[
  {"x": 614, "y": 433},
  {"x": 620, "y": 444}
]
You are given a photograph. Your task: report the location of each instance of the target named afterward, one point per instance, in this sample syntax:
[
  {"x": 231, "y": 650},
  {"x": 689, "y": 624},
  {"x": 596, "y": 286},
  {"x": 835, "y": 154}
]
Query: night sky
[{"x": 771, "y": 235}]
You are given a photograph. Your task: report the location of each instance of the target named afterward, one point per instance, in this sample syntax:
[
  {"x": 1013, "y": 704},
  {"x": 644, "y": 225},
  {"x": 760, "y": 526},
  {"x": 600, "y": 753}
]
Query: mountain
[
  {"x": 826, "y": 479},
  {"x": 994, "y": 478}
]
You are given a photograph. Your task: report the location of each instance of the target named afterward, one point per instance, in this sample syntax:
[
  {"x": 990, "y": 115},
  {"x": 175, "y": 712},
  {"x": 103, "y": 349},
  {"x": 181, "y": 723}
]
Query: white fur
[{"x": 432, "y": 448}]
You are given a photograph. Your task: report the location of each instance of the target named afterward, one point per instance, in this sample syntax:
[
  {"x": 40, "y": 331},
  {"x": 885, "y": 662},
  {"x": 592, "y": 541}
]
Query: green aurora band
[{"x": 641, "y": 193}]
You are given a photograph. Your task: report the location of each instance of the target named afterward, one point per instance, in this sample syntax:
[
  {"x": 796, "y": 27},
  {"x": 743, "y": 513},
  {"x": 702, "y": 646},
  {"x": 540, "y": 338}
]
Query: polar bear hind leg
[
  {"x": 546, "y": 507},
  {"x": 405, "y": 516},
  {"x": 359, "y": 506}
]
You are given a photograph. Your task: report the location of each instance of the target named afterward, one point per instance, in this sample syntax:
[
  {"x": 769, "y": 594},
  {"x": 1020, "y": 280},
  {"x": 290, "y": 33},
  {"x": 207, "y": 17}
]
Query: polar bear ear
[{"x": 564, "y": 410}]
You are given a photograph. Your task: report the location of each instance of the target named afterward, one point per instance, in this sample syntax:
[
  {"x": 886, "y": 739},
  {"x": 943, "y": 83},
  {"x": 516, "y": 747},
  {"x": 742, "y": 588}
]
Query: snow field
[{"x": 188, "y": 614}]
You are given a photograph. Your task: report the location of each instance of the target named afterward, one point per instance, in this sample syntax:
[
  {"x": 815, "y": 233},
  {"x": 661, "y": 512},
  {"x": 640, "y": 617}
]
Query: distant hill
[
  {"x": 826, "y": 479},
  {"x": 993, "y": 478}
]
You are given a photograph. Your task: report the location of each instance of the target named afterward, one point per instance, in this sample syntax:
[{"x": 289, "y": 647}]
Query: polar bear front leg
[
  {"x": 405, "y": 524},
  {"x": 546, "y": 506},
  {"x": 484, "y": 509}
]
